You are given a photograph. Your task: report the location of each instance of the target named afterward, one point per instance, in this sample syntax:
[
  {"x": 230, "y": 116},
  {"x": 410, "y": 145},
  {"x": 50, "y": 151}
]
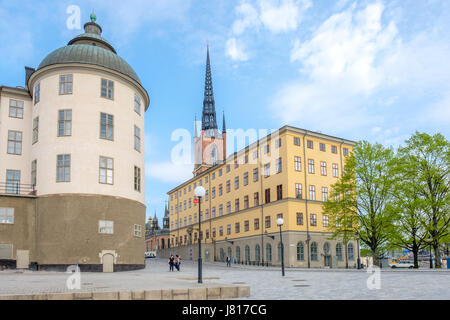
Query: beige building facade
[
  {"x": 72, "y": 161},
  {"x": 287, "y": 174}
]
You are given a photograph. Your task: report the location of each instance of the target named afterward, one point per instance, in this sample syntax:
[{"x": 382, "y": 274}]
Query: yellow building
[{"x": 288, "y": 173}]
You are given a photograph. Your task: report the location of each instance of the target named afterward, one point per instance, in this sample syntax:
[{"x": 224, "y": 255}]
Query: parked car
[
  {"x": 150, "y": 254},
  {"x": 402, "y": 264}
]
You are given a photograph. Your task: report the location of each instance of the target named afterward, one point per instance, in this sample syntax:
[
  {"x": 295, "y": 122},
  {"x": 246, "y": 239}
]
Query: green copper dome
[{"x": 90, "y": 48}]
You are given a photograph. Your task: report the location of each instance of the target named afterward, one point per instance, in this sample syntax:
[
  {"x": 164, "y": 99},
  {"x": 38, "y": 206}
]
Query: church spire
[{"x": 209, "y": 109}]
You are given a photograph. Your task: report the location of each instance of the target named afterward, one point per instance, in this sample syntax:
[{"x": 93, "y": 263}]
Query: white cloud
[
  {"x": 282, "y": 15},
  {"x": 249, "y": 18},
  {"x": 356, "y": 70},
  {"x": 235, "y": 51},
  {"x": 168, "y": 172}
]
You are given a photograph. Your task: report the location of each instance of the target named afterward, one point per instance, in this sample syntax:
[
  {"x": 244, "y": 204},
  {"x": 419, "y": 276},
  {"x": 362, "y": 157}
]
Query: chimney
[{"x": 28, "y": 72}]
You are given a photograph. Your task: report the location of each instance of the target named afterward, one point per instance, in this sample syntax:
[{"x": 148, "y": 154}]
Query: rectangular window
[
  {"x": 310, "y": 144},
  {"x": 256, "y": 224},
  {"x": 137, "y": 104},
  {"x": 267, "y": 170},
  {"x": 220, "y": 172},
  {"x": 228, "y": 186},
  {"x": 298, "y": 191},
  {"x": 213, "y": 212},
  {"x": 236, "y": 183},
  {"x": 236, "y": 164},
  {"x": 313, "y": 220},
  {"x": 324, "y": 194},
  {"x": 228, "y": 168},
  {"x": 333, "y": 149},
  {"x": 213, "y": 176},
  {"x": 268, "y": 222},
  {"x": 33, "y": 172},
  {"x": 312, "y": 192},
  {"x": 266, "y": 149},
  {"x": 35, "y": 130},
  {"x": 255, "y": 175},
  {"x": 213, "y": 192},
  {"x": 298, "y": 163},
  {"x": 6, "y": 215},
  {"x": 237, "y": 227},
  {"x": 267, "y": 195},
  {"x": 137, "y": 139},
  {"x": 206, "y": 179},
  {"x": 138, "y": 230},
  {"x": 106, "y": 227},
  {"x": 246, "y": 225},
  {"x": 278, "y": 165},
  {"x": 107, "y": 89},
  {"x": 12, "y": 181},
  {"x": 236, "y": 205},
  {"x": 106, "y": 126},
  {"x": 280, "y": 192},
  {"x": 15, "y": 109},
  {"x": 296, "y": 141},
  {"x": 299, "y": 218},
  {"x": 278, "y": 143},
  {"x": 311, "y": 166},
  {"x": 106, "y": 170},
  {"x": 325, "y": 221},
  {"x": 345, "y": 152},
  {"x": 65, "y": 84},
  {"x": 221, "y": 231},
  {"x": 256, "y": 199},
  {"x": 64, "y": 123},
  {"x": 214, "y": 232},
  {"x": 228, "y": 207},
  {"x": 229, "y": 229},
  {"x": 220, "y": 210},
  {"x": 255, "y": 155},
  {"x": 322, "y": 147},
  {"x": 206, "y": 195},
  {"x": 323, "y": 168},
  {"x": 37, "y": 93},
  {"x": 190, "y": 202},
  {"x": 246, "y": 205},
  {"x": 220, "y": 189},
  {"x": 245, "y": 178},
  {"x": 63, "y": 168},
  {"x": 15, "y": 142},
  {"x": 137, "y": 179},
  {"x": 246, "y": 159},
  {"x": 335, "y": 170}
]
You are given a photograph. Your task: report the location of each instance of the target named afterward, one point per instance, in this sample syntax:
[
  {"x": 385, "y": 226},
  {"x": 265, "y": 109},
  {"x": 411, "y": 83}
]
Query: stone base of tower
[{"x": 56, "y": 231}]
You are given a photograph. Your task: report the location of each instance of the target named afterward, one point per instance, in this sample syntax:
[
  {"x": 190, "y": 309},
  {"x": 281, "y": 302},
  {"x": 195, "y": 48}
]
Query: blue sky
[{"x": 375, "y": 70}]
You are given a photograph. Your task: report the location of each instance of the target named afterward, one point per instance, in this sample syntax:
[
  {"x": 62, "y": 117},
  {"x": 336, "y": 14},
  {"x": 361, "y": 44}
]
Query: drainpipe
[{"x": 261, "y": 199}]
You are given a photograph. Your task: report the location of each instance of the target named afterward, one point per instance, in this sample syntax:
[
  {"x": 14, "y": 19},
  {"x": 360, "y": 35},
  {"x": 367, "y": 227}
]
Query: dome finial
[{"x": 93, "y": 16}]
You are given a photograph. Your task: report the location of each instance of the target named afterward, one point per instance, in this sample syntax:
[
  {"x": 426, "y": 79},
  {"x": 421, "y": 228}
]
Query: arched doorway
[{"x": 108, "y": 262}]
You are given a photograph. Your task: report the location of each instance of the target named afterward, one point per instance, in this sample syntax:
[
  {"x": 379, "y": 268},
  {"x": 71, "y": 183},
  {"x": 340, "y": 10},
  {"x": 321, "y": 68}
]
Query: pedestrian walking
[
  {"x": 171, "y": 262},
  {"x": 178, "y": 262},
  {"x": 228, "y": 261}
]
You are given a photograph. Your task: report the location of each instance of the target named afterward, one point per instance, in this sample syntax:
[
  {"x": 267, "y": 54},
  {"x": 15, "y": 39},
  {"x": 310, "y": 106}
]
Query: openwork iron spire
[{"x": 209, "y": 110}]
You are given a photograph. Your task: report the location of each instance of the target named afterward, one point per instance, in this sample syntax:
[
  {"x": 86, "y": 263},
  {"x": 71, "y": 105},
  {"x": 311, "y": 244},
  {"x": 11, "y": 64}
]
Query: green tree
[
  {"x": 428, "y": 158},
  {"x": 361, "y": 197},
  {"x": 408, "y": 210}
]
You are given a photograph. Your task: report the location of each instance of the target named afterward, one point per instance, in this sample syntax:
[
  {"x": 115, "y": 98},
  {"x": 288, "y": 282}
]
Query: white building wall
[
  {"x": 9, "y": 161},
  {"x": 85, "y": 145}
]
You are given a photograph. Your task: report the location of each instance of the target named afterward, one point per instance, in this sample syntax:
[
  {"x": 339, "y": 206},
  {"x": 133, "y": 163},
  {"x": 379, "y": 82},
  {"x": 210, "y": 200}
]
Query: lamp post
[
  {"x": 200, "y": 193},
  {"x": 357, "y": 244},
  {"x": 280, "y": 222},
  {"x": 431, "y": 258}
]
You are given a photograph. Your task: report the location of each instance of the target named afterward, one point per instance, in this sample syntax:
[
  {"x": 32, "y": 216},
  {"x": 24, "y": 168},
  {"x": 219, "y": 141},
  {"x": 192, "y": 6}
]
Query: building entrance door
[
  {"x": 23, "y": 259},
  {"x": 327, "y": 261},
  {"x": 108, "y": 263},
  {"x": 207, "y": 255}
]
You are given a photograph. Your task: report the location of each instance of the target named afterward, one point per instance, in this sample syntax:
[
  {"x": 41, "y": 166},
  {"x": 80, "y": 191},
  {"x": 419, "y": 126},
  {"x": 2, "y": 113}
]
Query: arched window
[
  {"x": 222, "y": 254},
  {"x": 268, "y": 252},
  {"x": 257, "y": 253},
  {"x": 313, "y": 251},
  {"x": 279, "y": 251},
  {"x": 351, "y": 255},
  {"x": 326, "y": 248},
  {"x": 230, "y": 252},
  {"x": 300, "y": 251},
  {"x": 339, "y": 251},
  {"x": 238, "y": 253},
  {"x": 247, "y": 253}
]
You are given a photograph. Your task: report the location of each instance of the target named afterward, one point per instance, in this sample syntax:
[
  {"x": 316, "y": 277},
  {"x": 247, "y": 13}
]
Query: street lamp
[
  {"x": 200, "y": 193},
  {"x": 280, "y": 222},
  {"x": 357, "y": 243}
]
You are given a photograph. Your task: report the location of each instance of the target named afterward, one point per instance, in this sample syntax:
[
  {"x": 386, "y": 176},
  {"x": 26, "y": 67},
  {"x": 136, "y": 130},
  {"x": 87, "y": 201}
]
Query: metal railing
[{"x": 13, "y": 188}]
